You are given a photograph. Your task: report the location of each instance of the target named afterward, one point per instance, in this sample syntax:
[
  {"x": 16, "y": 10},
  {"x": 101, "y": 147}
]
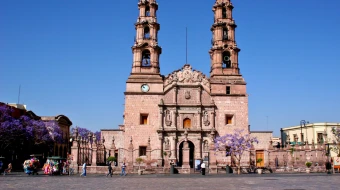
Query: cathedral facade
[{"x": 174, "y": 118}]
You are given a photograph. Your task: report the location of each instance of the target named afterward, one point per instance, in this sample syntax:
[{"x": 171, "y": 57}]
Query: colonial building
[
  {"x": 175, "y": 117},
  {"x": 310, "y": 134},
  {"x": 61, "y": 149}
]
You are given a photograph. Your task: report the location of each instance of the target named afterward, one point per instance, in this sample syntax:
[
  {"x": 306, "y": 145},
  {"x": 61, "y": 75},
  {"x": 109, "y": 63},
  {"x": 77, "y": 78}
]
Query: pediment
[{"x": 186, "y": 76}]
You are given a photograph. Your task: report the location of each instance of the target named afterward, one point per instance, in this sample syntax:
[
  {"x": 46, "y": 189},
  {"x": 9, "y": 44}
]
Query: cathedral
[{"x": 174, "y": 118}]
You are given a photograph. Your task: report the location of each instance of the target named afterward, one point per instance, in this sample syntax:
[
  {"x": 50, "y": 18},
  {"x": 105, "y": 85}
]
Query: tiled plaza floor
[{"x": 179, "y": 181}]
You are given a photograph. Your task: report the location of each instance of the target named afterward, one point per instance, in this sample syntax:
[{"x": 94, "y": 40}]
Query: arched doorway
[{"x": 191, "y": 154}]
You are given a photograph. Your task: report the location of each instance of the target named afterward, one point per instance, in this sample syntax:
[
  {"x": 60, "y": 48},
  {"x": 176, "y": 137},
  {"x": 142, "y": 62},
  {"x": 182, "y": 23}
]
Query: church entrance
[{"x": 191, "y": 154}]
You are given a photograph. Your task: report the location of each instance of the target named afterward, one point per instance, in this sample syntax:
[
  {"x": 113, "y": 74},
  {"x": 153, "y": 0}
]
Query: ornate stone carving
[
  {"x": 168, "y": 120},
  {"x": 187, "y": 94},
  {"x": 206, "y": 118},
  {"x": 186, "y": 135},
  {"x": 206, "y": 146},
  {"x": 167, "y": 144},
  {"x": 187, "y": 75}
]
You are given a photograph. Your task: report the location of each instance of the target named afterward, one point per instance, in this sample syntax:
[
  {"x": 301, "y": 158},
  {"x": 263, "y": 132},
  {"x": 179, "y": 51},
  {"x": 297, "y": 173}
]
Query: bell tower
[
  {"x": 146, "y": 52},
  {"x": 225, "y": 73}
]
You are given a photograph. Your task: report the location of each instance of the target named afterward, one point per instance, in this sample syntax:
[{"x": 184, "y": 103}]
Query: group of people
[
  {"x": 56, "y": 167},
  {"x": 31, "y": 166},
  {"x": 8, "y": 170}
]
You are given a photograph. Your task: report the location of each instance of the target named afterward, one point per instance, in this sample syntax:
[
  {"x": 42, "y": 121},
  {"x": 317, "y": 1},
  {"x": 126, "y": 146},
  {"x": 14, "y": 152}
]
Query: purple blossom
[
  {"x": 84, "y": 133},
  {"x": 98, "y": 135},
  {"x": 235, "y": 144},
  {"x": 54, "y": 131},
  {"x": 23, "y": 132}
]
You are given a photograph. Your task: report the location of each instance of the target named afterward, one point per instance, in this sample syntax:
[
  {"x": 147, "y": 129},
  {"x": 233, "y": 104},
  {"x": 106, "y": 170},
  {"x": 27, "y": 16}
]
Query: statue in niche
[
  {"x": 187, "y": 94},
  {"x": 206, "y": 118},
  {"x": 167, "y": 144},
  {"x": 205, "y": 146},
  {"x": 168, "y": 117}
]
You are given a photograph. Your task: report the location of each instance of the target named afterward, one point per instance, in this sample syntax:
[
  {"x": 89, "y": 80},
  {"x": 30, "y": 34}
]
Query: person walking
[
  {"x": 84, "y": 170},
  {"x": 110, "y": 170},
  {"x": 203, "y": 168},
  {"x": 123, "y": 170}
]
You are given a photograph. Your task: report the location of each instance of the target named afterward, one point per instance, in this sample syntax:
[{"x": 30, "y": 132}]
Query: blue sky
[{"x": 73, "y": 57}]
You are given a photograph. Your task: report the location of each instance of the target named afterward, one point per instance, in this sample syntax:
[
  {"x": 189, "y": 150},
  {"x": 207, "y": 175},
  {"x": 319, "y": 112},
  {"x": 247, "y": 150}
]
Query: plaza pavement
[{"x": 301, "y": 181}]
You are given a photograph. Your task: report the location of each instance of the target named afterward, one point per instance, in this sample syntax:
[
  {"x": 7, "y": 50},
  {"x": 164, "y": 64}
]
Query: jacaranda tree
[
  {"x": 235, "y": 145},
  {"x": 23, "y": 134}
]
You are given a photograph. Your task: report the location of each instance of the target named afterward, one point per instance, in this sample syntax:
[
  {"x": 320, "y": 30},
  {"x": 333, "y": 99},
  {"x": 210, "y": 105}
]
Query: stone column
[
  {"x": 175, "y": 95},
  {"x": 212, "y": 159},
  {"x": 212, "y": 119},
  {"x": 199, "y": 148},
  {"x": 160, "y": 119},
  {"x": 148, "y": 150},
  {"x": 160, "y": 156},
  {"x": 94, "y": 151},
  {"x": 113, "y": 147},
  {"x": 212, "y": 156},
  {"x": 148, "y": 154},
  {"x": 186, "y": 157},
  {"x": 74, "y": 153},
  {"x": 130, "y": 160},
  {"x": 160, "y": 115},
  {"x": 199, "y": 119},
  {"x": 270, "y": 150},
  {"x": 173, "y": 148},
  {"x": 174, "y": 115},
  {"x": 199, "y": 90}
]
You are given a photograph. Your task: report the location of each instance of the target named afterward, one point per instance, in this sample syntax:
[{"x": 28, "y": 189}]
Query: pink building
[{"x": 175, "y": 117}]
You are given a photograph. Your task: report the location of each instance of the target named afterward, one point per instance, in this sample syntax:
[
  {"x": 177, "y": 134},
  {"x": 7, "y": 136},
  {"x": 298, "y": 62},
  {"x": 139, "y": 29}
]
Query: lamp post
[
  {"x": 327, "y": 151},
  {"x": 303, "y": 124}
]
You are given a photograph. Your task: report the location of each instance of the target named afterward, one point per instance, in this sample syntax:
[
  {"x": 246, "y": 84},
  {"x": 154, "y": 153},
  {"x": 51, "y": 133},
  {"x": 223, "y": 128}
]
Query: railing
[{"x": 145, "y": 38}]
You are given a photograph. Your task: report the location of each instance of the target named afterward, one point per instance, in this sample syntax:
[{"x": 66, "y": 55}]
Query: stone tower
[
  {"x": 225, "y": 73},
  {"x": 146, "y": 52},
  {"x": 144, "y": 87},
  {"x": 228, "y": 88}
]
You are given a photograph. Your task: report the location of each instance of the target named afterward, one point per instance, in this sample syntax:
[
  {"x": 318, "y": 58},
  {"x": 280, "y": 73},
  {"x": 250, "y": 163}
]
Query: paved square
[{"x": 194, "y": 181}]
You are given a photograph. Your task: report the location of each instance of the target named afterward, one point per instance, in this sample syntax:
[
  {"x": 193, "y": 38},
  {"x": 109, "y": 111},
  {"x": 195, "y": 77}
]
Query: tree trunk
[{"x": 239, "y": 167}]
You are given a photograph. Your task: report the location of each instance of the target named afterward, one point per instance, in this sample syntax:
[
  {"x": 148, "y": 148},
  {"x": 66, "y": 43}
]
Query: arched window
[
  {"x": 225, "y": 33},
  {"x": 226, "y": 59},
  {"x": 147, "y": 11},
  {"x": 224, "y": 12},
  {"x": 186, "y": 123},
  {"x": 146, "y": 58},
  {"x": 146, "y": 32}
]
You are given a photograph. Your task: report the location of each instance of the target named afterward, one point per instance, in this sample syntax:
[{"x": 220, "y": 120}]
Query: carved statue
[
  {"x": 206, "y": 145},
  {"x": 206, "y": 118},
  {"x": 168, "y": 118},
  {"x": 167, "y": 144},
  {"x": 186, "y": 135},
  {"x": 187, "y": 94}
]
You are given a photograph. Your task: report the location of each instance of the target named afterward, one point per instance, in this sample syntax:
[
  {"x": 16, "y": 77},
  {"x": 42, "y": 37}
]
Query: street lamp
[
  {"x": 327, "y": 151},
  {"x": 303, "y": 124}
]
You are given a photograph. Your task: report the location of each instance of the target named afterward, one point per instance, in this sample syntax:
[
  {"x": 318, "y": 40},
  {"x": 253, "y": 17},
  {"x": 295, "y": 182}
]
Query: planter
[
  {"x": 260, "y": 171},
  {"x": 307, "y": 170},
  {"x": 140, "y": 172}
]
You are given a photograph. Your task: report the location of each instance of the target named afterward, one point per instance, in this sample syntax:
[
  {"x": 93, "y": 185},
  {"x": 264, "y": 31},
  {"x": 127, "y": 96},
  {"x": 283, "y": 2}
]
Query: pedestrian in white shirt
[{"x": 203, "y": 168}]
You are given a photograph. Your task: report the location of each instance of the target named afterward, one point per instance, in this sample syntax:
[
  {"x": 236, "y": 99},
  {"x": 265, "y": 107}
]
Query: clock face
[{"x": 145, "y": 87}]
